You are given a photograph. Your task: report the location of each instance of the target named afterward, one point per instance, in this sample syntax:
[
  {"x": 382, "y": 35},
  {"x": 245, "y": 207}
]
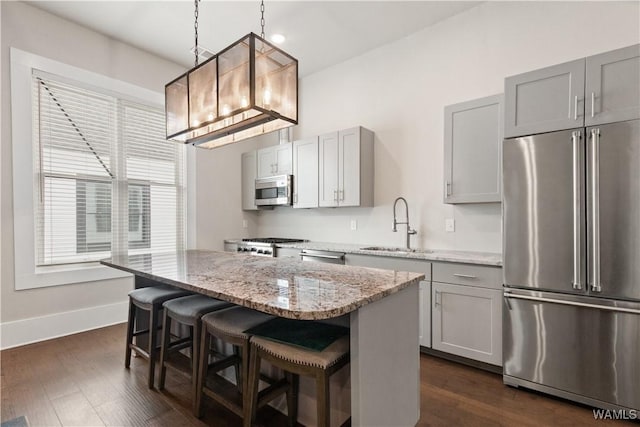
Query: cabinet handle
[
  {"x": 593, "y": 104},
  {"x": 295, "y": 198},
  {"x": 437, "y": 301},
  {"x": 447, "y": 189},
  {"x": 575, "y": 107},
  {"x": 465, "y": 276},
  {"x": 335, "y": 195},
  {"x": 341, "y": 195}
]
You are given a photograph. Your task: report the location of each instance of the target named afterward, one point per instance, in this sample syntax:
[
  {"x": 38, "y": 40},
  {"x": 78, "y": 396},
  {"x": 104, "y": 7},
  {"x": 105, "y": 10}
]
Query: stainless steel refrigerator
[{"x": 571, "y": 230}]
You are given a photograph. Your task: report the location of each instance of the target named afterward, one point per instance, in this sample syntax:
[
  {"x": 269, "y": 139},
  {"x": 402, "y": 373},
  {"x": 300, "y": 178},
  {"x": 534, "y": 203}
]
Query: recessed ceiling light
[{"x": 278, "y": 38}]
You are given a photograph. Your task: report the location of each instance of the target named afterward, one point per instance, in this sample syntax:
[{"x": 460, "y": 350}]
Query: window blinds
[{"x": 107, "y": 180}]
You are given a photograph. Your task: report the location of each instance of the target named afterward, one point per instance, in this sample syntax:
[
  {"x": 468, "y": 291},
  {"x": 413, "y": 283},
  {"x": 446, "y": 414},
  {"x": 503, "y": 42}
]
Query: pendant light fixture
[{"x": 248, "y": 89}]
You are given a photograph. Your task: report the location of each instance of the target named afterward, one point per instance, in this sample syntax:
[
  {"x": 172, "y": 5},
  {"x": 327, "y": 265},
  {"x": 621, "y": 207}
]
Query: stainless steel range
[{"x": 263, "y": 246}]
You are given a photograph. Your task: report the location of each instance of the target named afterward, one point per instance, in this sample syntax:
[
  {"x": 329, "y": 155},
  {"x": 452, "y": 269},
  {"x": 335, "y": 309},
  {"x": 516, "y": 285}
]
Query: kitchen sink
[{"x": 393, "y": 249}]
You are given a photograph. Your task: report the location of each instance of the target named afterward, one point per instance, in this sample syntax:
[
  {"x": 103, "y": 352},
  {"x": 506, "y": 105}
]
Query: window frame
[{"x": 27, "y": 274}]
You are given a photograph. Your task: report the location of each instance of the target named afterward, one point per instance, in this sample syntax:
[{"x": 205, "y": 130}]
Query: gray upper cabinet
[
  {"x": 545, "y": 100},
  {"x": 613, "y": 86},
  {"x": 305, "y": 173},
  {"x": 346, "y": 162},
  {"x": 472, "y": 159},
  {"x": 275, "y": 160},
  {"x": 596, "y": 90},
  {"x": 249, "y": 169}
]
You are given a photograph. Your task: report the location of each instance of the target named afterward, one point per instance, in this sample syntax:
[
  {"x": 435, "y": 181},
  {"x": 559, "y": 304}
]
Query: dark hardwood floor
[{"x": 80, "y": 380}]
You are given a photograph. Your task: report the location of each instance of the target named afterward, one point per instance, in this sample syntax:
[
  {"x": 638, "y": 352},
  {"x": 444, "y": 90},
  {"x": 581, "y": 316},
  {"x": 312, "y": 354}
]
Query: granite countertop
[
  {"x": 283, "y": 287},
  {"x": 465, "y": 257}
]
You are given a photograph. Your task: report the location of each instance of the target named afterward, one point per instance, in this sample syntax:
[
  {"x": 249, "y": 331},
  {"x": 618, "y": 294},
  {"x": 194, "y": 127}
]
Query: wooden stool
[
  {"x": 296, "y": 361},
  {"x": 228, "y": 326},
  {"x": 187, "y": 311},
  {"x": 148, "y": 299}
]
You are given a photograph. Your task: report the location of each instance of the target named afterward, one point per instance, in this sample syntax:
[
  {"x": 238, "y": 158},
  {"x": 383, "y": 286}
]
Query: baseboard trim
[
  {"x": 27, "y": 331},
  {"x": 463, "y": 360}
]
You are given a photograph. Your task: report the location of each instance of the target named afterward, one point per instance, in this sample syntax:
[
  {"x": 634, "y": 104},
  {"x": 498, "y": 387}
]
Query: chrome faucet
[{"x": 394, "y": 228}]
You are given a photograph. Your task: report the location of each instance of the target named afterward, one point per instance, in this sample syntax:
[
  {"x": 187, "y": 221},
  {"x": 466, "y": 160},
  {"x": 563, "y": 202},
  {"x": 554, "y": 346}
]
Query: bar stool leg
[
  {"x": 130, "y": 328},
  {"x": 239, "y": 374},
  {"x": 153, "y": 338},
  {"x": 322, "y": 392},
  {"x": 195, "y": 353},
  {"x": 250, "y": 396},
  {"x": 292, "y": 398},
  {"x": 164, "y": 348},
  {"x": 203, "y": 360}
]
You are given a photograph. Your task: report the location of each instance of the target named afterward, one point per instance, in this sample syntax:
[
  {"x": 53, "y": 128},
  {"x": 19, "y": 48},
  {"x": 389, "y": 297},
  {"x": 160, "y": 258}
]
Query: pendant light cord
[
  {"x": 195, "y": 27},
  {"x": 262, "y": 17}
]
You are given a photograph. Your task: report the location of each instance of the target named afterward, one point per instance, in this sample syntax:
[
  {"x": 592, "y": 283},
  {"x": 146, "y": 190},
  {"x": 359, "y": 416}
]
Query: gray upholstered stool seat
[
  {"x": 149, "y": 299},
  {"x": 324, "y": 359},
  {"x": 188, "y": 311},
  {"x": 296, "y": 361},
  {"x": 228, "y": 326}
]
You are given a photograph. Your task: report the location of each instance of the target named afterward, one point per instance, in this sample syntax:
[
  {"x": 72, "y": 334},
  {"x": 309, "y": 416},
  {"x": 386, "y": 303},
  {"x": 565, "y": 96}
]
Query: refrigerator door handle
[
  {"x": 576, "y": 136},
  {"x": 596, "y": 286},
  {"x": 572, "y": 303}
]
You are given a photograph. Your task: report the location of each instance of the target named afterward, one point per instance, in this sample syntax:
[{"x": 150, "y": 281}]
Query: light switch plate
[
  {"x": 450, "y": 225},
  {"x": 354, "y": 224},
  {"x": 245, "y": 224}
]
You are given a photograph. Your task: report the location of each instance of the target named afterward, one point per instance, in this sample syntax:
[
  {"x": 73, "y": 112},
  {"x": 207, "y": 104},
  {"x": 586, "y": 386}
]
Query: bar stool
[
  {"x": 296, "y": 361},
  {"x": 148, "y": 299},
  {"x": 228, "y": 326},
  {"x": 187, "y": 311}
]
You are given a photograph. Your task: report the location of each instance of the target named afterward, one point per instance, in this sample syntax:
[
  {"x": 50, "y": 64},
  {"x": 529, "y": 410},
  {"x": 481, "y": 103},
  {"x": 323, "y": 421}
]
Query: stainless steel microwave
[{"x": 274, "y": 191}]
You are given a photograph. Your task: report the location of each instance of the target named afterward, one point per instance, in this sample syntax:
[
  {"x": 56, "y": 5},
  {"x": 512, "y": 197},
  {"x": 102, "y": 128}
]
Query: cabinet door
[
  {"x": 266, "y": 162},
  {"x": 283, "y": 158},
  {"x": 613, "y": 86},
  {"x": 249, "y": 169},
  {"x": 328, "y": 164},
  {"x": 349, "y": 167},
  {"x": 545, "y": 100},
  {"x": 467, "y": 321},
  {"x": 305, "y": 173},
  {"x": 425, "y": 314},
  {"x": 472, "y": 151}
]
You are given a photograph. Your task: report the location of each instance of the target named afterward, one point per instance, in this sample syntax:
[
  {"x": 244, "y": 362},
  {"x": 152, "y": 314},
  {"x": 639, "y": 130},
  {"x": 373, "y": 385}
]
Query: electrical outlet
[
  {"x": 450, "y": 225},
  {"x": 245, "y": 223},
  {"x": 354, "y": 224}
]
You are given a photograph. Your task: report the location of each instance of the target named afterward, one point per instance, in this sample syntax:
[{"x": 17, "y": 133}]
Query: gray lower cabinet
[
  {"x": 230, "y": 247},
  {"x": 288, "y": 253},
  {"x": 613, "y": 86},
  {"x": 425, "y": 314},
  {"x": 466, "y": 311},
  {"x": 467, "y": 321},
  {"x": 472, "y": 147},
  {"x": 545, "y": 100}
]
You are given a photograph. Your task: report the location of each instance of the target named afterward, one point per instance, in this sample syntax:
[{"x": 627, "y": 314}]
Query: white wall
[
  {"x": 399, "y": 91},
  {"x": 41, "y": 33}
]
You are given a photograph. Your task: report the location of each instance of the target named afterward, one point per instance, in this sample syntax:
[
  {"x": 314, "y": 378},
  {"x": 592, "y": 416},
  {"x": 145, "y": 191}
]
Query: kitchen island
[{"x": 381, "y": 307}]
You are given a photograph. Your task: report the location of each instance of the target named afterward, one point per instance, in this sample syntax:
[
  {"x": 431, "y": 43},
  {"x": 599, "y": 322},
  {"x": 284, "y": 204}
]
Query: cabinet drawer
[
  {"x": 467, "y": 274},
  {"x": 390, "y": 263}
]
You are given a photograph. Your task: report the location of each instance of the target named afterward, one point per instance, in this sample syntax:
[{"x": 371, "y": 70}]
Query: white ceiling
[{"x": 319, "y": 33}]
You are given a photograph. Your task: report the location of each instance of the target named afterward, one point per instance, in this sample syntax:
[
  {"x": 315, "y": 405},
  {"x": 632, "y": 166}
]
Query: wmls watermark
[{"x": 616, "y": 414}]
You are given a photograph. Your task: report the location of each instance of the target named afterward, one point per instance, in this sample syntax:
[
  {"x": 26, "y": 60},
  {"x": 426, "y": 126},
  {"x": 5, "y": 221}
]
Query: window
[{"x": 107, "y": 180}]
